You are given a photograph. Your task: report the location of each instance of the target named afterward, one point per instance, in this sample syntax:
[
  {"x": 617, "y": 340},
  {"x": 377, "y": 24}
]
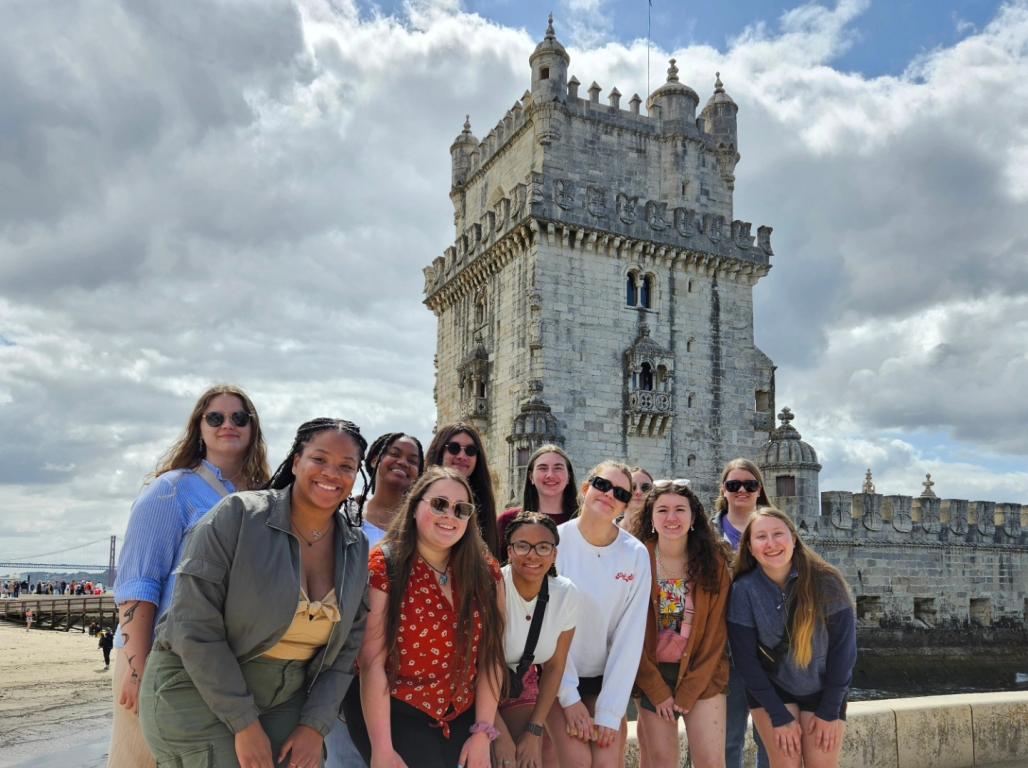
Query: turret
[
  {"x": 676, "y": 100},
  {"x": 719, "y": 121},
  {"x": 460, "y": 154},
  {"x": 791, "y": 469},
  {"x": 549, "y": 68}
]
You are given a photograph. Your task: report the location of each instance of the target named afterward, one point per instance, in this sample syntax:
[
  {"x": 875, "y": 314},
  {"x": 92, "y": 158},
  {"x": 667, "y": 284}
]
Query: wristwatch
[{"x": 534, "y": 729}]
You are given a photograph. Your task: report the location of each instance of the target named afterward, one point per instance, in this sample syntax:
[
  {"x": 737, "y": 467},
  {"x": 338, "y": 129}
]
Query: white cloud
[{"x": 249, "y": 195}]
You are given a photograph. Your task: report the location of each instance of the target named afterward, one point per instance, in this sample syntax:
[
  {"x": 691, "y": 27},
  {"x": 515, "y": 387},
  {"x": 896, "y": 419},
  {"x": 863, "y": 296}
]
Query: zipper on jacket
[{"x": 331, "y": 631}]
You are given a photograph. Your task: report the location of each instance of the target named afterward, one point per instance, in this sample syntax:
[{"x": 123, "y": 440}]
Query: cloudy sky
[{"x": 248, "y": 191}]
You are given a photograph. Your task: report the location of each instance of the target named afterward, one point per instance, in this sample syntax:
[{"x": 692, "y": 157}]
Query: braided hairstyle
[
  {"x": 283, "y": 476},
  {"x": 535, "y": 518},
  {"x": 375, "y": 453}
]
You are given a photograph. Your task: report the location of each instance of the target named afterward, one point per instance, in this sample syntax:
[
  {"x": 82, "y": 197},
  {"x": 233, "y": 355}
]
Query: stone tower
[{"x": 599, "y": 292}]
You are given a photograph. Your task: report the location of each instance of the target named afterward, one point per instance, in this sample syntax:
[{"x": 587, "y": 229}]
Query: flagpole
[{"x": 649, "y": 7}]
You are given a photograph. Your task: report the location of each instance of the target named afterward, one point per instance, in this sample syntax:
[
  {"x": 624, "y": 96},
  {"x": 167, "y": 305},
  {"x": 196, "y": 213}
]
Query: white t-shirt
[{"x": 561, "y": 615}]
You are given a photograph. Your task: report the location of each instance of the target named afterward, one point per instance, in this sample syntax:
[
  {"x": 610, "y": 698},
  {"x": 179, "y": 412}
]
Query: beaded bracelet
[{"x": 488, "y": 729}]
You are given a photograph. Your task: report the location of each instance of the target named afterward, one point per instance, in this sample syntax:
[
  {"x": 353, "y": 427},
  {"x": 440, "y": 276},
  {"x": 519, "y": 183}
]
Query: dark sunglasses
[
  {"x": 454, "y": 449},
  {"x": 543, "y": 548},
  {"x": 733, "y": 486},
  {"x": 603, "y": 485},
  {"x": 215, "y": 419},
  {"x": 462, "y": 510},
  {"x": 644, "y": 487}
]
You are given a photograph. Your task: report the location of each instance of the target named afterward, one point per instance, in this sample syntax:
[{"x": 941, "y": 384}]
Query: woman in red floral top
[{"x": 433, "y": 652}]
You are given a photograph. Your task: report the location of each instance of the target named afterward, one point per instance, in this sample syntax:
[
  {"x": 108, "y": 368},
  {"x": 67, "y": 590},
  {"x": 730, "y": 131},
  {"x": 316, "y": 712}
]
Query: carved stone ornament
[
  {"x": 685, "y": 221},
  {"x": 656, "y": 215},
  {"x": 564, "y": 193},
  {"x": 488, "y": 225},
  {"x": 596, "y": 202},
  {"x": 764, "y": 239},
  {"x": 536, "y": 190},
  {"x": 520, "y": 197},
  {"x": 626, "y": 207},
  {"x": 501, "y": 210},
  {"x": 712, "y": 226}
]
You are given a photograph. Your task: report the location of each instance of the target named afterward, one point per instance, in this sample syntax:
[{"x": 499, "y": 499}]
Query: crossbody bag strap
[
  {"x": 534, "y": 628},
  {"x": 211, "y": 479}
]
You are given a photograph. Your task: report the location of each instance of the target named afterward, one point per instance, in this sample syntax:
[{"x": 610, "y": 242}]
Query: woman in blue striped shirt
[{"x": 221, "y": 451}]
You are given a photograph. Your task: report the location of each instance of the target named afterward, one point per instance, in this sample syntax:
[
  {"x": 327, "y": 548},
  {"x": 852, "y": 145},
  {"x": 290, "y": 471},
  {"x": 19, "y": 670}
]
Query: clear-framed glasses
[
  {"x": 542, "y": 548},
  {"x": 462, "y": 510}
]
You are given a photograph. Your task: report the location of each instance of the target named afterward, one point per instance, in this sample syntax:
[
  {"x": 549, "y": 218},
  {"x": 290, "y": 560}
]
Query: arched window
[
  {"x": 480, "y": 310},
  {"x": 691, "y": 461},
  {"x": 646, "y": 292},
  {"x": 662, "y": 378},
  {"x": 689, "y": 343},
  {"x": 631, "y": 290},
  {"x": 646, "y": 377},
  {"x": 480, "y": 388}
]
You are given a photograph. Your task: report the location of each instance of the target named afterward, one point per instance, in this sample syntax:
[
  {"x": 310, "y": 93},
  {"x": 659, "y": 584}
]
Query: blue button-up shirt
[{"x": 162, "y": 515}]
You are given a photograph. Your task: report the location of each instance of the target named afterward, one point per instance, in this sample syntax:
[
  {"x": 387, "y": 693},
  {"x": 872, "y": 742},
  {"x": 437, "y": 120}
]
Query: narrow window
[
  {"x": 981, "y": 611},
  {"x": 689, "y": 401},
  {"x": 646, "y": 291},
  {"x": 785, "y": 485},
  {"x": 691, "y": 460},
  {"x": 631, "y": 292},
  {"x": 646, "y": 377},
  {"x": 763, "y": 400},
  {"x": 924, "y": 610},
  {"x": 544, "y": 73},
  {"x": 688, "y": 344}
]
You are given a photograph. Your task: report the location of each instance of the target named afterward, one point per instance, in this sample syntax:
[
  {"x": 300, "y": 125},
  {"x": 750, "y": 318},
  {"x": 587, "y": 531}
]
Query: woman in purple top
[
  {"x": 792, "y": 627},
  {"x": 222, "y": 450}
]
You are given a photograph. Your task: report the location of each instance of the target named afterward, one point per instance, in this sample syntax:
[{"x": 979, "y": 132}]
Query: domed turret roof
[
  {"x": 786, "y": 449},
  {"x": 673, "y": 86},
  {"x": 719, "y": 96},
  {"x": 465, "y": 136},
  {"x": 550, "y": 44}
]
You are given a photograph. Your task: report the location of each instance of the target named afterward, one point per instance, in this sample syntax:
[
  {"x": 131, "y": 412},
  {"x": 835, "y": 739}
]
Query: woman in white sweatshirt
[{"x": 611, "y": 569}]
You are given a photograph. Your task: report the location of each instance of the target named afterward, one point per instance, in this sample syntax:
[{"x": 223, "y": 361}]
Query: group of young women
[{"x": 257, "y": 608}]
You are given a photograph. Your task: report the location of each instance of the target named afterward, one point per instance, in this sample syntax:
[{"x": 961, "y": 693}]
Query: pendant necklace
[
  {"x": 316, "y": 535},
  {"x": 443, "y": 575}
]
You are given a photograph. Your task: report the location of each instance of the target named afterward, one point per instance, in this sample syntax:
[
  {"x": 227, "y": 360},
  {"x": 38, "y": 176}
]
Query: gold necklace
[{"x": 662, "y": 572}]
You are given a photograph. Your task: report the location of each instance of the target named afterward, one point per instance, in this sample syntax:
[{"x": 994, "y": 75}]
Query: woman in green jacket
[{"x": 252, "y": 660}]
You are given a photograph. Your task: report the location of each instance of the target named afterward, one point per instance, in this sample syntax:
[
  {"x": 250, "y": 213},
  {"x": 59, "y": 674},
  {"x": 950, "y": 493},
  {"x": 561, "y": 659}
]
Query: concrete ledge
[{"x": 971, "y": 730}]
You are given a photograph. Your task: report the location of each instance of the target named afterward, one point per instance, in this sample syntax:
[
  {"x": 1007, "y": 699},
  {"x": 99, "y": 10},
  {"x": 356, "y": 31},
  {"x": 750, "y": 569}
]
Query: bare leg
[
  {"x": 661, "y": 739},
  {"x": 705, "y": 726},
  {"x": 778, "y": 758},
  {"x": 813, "y": 755}
]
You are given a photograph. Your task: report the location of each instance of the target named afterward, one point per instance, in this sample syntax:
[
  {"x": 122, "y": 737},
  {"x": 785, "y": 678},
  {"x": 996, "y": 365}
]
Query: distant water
[{"x": 895, "y": 674}]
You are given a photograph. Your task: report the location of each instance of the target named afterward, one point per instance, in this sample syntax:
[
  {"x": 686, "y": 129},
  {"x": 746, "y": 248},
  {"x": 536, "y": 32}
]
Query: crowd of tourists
[
  {"x": 277, "y": 618},
  {"x": 14, "y": 588}
]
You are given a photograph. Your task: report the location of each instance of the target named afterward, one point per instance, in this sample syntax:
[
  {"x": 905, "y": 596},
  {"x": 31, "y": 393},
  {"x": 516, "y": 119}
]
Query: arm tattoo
[{"x": 130, "y": 612}]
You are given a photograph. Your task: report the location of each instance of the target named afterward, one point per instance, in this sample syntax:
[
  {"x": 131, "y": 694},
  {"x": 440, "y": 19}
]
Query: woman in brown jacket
[{"x": 684, "y": 669}]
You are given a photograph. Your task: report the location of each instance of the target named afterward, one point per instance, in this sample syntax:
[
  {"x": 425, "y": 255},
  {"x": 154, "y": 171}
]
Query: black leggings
[{"x": 416, "y": 737}]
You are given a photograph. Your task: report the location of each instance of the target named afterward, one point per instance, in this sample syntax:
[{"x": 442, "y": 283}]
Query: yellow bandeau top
[{"x": 309, "y": 630}]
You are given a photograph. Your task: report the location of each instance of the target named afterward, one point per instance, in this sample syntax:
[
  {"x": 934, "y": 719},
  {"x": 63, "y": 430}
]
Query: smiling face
[
  {"x": 532, "y": 567},
  {"x": 672, "y": 517},
  {"x": 440, "y": 532},
  {"x": 604, "y": 505},
  {"x": 398, "y": 466},
  {"x": 550, "y": 475},
  {"x": 461, "y": 462},
  {"x": 227, "y": 440},
  {"x": 325, "y": 470},
  {"x": 772, "y": 544},
  {"x": 741, "y": 501}
]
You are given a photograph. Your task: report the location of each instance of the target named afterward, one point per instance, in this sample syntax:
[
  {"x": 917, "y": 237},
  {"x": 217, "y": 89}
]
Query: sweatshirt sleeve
[
  {"x": 842, "y": 655},
  {"x": 195, "y": 624},
  {"x": 625, "y": 649}
]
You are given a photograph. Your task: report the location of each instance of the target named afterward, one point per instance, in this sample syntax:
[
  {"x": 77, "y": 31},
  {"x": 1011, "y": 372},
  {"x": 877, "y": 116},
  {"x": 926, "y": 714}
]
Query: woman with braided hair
[
  {"x": 395, "y": 460},
  {"x": 251, "y": 662}
]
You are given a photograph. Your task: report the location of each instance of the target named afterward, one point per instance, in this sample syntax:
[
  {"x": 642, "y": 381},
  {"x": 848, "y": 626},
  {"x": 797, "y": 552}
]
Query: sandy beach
[{"x": 55, "y": 699}]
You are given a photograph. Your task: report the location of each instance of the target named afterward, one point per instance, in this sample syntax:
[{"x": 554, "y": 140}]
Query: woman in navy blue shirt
[{"x": 792, "y": 628}]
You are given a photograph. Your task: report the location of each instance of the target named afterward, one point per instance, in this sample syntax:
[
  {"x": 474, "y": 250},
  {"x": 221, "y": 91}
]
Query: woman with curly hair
[
  {"x": 792, "y": 627},
  {"x": 683, "y": 670},
  {"x": 432, "y": 661}
]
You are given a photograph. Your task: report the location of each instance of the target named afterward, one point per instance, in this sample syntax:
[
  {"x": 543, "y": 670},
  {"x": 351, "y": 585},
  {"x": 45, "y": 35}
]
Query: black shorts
[
  {"x": 668, "y": 671},
  {"x": 806, "y": 703},
  {"x": 590, "y": 686}
]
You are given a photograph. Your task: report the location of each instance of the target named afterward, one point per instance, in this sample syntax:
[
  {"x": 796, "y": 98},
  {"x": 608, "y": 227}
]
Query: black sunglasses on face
[
  {"x": 215, "y": 419},
  {"x": 603, "y": 485},
  {"x": 644, "y": 487},
  {"x": 454, "y": 449},
  {"x": 733, "y": 486}
]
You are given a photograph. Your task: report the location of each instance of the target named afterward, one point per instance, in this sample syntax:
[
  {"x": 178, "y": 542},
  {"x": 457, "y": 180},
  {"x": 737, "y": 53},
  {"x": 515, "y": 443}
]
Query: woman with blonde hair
[
  {"x": 221, "y": 451},
  {"x": 792, "y": 628},
  {"x": 611, "y": 569},
  {"x": 684, "y": 669}
]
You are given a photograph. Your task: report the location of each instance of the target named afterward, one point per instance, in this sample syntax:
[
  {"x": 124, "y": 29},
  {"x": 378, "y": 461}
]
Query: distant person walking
[
  {"x": 29, "y": 617},
  {"x": 105, "y": 645},
  {"x": 221, "y": 451}
]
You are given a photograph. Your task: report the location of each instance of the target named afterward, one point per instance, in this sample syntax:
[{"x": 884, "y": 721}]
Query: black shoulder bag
[
  {"x": 771, "y": 658},
  {"x": 516, "y": 677}
]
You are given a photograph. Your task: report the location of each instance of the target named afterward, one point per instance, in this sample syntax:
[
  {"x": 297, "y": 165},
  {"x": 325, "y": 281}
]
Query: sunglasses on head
[
  {"x": 462, "y": 510},
  {"x": 733, "y": 486},
  {"x": 677, "y": 484},
  {"x": 543, "y": 548},
  {"x": 603, "y": 485},
  {"x": 454, "y": 449},
  {"x": 215, "y": 419}
]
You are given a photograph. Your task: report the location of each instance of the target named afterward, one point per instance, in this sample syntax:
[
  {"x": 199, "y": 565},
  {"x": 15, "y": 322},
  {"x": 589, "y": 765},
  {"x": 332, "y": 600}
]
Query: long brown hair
[
  {"x": 814, "y": 580},
  {"x": 721, "y": 505},
  {"x": 705, "y": 553},
  {"x": 472, "y": 576},
  {"x": 530, "y": 494},
  {"x": 480, "y": 481},
  {"x": 188, "y": 451}
]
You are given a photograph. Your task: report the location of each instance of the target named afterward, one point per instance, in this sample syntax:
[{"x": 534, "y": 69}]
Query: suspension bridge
[{"x": 30, "y": 562}]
